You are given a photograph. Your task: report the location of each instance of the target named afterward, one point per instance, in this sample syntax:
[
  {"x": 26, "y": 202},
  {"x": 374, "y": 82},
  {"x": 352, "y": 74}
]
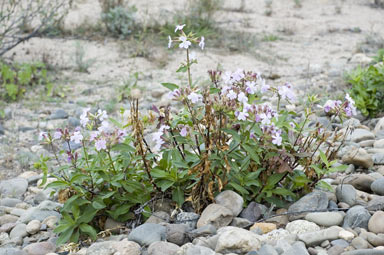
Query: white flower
[
  {"x": 194, "y": 97},
  {"x": 238, "y": 75},
  {"x": 264, "y": 87},
  {"x": 184, "y": 42},
  {"x": 202, "y": 43},
  {"x": 157, "y": 137},
  {"x": 84, "y": 117},
  {"x": 192, "y": 56},
  {"x": 105, "y": 127},
  {"x": 227, "y": 77},
  {"x": 265, "y": 119},
  {"x": 102, "y": 115},
  {"x": 251, "y": 87},
  {"x": 231, "y": 94},
  {"x": 179, "y": 27},
  {"x": 286, "y": 92},
  {"x": 242, "y": 115},
  {"x": 77, "y": 137},
  {"x": 246, "y": 107},
  {"x": 169, "y": 41},
  {"x": 174, "y": 94},
  {"x": 93, "y": 135},
  {"x": 242, "y": 98},
  {"x": 101, "y": 145},
  {"x": 225, "y": 89},
  {"x": 277, "y": 139},
  {"x": 57, "y": 135}
]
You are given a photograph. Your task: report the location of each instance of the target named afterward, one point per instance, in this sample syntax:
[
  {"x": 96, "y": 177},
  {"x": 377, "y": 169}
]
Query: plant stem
[
  {"x": 110, "y": 159},
  {"x": 189, "y": 70}
]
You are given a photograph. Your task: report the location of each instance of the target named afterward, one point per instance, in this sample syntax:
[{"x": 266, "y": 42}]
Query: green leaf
[
  {"x": 324, "y": 158},
  {"x": 87, "y": 229},
  {"x": 238, "y": 188},
  {"x": 164, "y": 184},
  {"x": 98, "y": 204},
  {"x": 170, "y": 86},
  {"x": 273, "y": 180},
  {"x": 178, "y": 196},
  {"x": 182, "y": 69},
  {"x": 283, "y": 192},
  {"x": 58, "y": 184},
  {"x": 88, "y": 214},
  {"x": 234, "y": 134},
  {"x": 64, "y": 237}
]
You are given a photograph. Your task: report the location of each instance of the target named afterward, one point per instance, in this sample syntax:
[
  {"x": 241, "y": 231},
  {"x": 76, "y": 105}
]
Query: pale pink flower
[
  {"x": 264, "y": 87},
  {"x": 184, "y": 42},
  {"x": 277, "y": 139},
  {"x": 101, "y": 145},
  {"x": 174, "y": 94},
  {"x": 251, "y": 87},
  {"x": 286, "y": 92},
  {"x": 57, "y": 135},
  {"x": 192, "y": 56},
  {"x": 231, "y": 94},
  {"x": 195, "y": 98},
  {"x": 93, "y": 135},
  {"x": 350, "y": 109},
  {"x": 102, "y": 114},
  {"x": 238, "y": 75},
  {"x": 43, "y": 136},
  {"x": 105, "y": 127},
  {"x": 242, "y": 115},
  {"x": 169, "y": 41},
  {"x": 179, "y": 27},
  {"x": 84, "y": 117},
  {"x": 77, "y": 137},
  {"x": 225, "y": 89},
  {"x": 242, "y": 98},
  {"x": 227, "y": 77},
  {"x": 202, "y": 43},
  {"x": 184, "y": 131}
]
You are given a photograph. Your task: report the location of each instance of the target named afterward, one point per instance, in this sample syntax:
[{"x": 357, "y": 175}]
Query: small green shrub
[
  {"x": 119, "y": 21},
  {"x": 368, "y": 87},
  {"x": 16, "y": 79},
  {"x": 217, "y": 137},
  {"x": 82, "y": 64}
]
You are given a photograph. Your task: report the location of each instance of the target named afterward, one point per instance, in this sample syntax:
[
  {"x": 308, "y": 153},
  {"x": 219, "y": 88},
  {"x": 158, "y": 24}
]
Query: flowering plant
[{"x": 235, "y": 134}]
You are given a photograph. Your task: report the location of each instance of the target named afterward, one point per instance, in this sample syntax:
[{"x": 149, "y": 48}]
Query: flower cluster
[
  {"x": 157, "y": 137},
  {"x": 338, "y": 107},
  {"x": 185, "y": 41}
]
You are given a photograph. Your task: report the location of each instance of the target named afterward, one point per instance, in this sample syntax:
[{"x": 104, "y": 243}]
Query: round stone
[{"x": 376, "y": 222}]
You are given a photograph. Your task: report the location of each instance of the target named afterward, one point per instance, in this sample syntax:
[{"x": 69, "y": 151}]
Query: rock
[
  {"x": 326, "y": 219},
  {"x": 358, "y": 157},
  {"x": 110, "y": 224},
  {"x": 298, "y": 248},
  {"x": 346, "y": 235},
  {"x": 51, "y": 221},
  {"x": 123, "y": 247},
  {"x": 207, "y": 230},
  {"x": 58, "y": 114},
  {"x": 177, "y": 233},
  {"x": 282, "y": 246},
  {"x": 278, "y": 234},
  {"x": 364, "y": 252},
  {"x": 148, "y": 233},
  {"x": 4, "y": 238},
  {"x": 378, "y": 158},
  {"x": 15, "y": 187},
  {"x": 301, "y": 226},
  {"x": 230, "y": 200},
  {"x": 267, "y": 249},
  {"x": 317, "y": 237},
  {"x": 265, "y": 227},
  {"x": 20, "y": 230},
  {"x": 240, "y": 222},
  {"x": 377, "y": 203},
  {"x": 236, "y": 240},
  {"x": 217, "y": 215},
  {"x": 8, "y": 219},
  {"x": 158, "y": 217},
  {"x": 316, "y": 200},
  {"x": 356, "y": 216},
  {"x": 340, "y": 242},
  {"x": 11, "y": 251},
  {"x": 360, "y": 181},
  {"x": 73, "y": 122},
  {"x": 375, "y": 240},
  {"x": 252, "y": 212},
  {"x": 376, "y": 222},
  {"x": 7, "y": 227},
  {"x": 360, "y": 134},
  {"x": 379, "y": 126},
  {"x": 209, "y": 242},
  {"x": 9, "y": 202},
  {"x": 33, "y": 227},
  {"x": 48, "y": 205},
  {"x": 188, "y": 218},
  {"x": 41, "y": 248},
  {"x": 163, "y": 248},
  {"x": 377, "y": 186},
  {"x": 190, "y": 249},
  {"x": 346, "y": 193},
  {"x": 359, "y": 243},
  {"x": 35, "y": 213},
  {"x": 335, "y": 250},
  {"x": 379, "y": 144}
]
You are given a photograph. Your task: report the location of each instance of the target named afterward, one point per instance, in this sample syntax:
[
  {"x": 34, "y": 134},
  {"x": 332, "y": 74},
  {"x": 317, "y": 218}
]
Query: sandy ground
[{"x": 317, "y": 43}]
